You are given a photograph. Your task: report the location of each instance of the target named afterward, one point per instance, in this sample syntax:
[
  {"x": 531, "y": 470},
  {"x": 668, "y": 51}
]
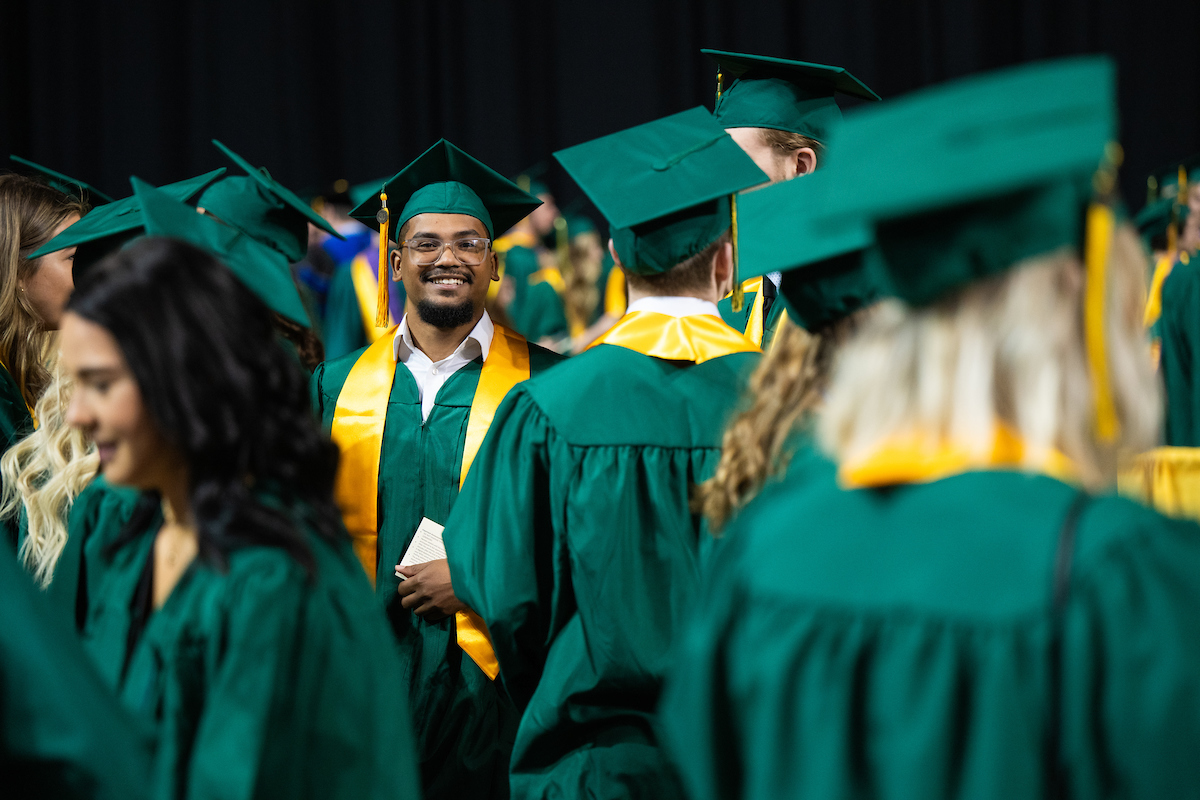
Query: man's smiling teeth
[{"x": 449, "y": 281}]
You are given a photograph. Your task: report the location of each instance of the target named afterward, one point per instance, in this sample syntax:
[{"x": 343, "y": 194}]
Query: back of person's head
[
  {"x": 689, "y": 277},
  {"x": 220, "y": 388},
  {"x": 1008, "y": 349},
  {"x": 30, "y": 212}
]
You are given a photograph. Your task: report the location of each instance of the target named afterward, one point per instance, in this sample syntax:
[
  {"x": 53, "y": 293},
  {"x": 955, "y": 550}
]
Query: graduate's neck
[
  {"x": 177, "y": 501},
  {"x": 438, "y": 343}
]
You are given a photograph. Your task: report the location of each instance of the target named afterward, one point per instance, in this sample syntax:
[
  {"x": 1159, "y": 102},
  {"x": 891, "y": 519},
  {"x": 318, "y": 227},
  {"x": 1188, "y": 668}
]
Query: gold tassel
[
  {"x": 720, "y": 88},
  {"x": 739, "y": 297},
  {"x": 1098, "y": 242},
  {"x": 382, "y": 316}
]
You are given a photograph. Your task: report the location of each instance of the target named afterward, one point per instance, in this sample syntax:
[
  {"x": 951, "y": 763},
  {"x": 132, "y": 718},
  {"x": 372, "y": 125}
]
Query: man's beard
[{"x": 446, "y": 317}]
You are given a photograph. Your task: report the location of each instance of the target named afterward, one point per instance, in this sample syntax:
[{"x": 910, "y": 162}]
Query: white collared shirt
[
  {"x": 674, "y": 306},
  {"x": 430, "y": 375}
]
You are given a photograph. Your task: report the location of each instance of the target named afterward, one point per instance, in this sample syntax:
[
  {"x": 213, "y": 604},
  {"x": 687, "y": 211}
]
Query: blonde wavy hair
[
  {"x": 43, "y": 474},
  {"x": 30, "y": 212},
  {"x": 1008, "y": 349},
  {"x": 784, "y": 391}
]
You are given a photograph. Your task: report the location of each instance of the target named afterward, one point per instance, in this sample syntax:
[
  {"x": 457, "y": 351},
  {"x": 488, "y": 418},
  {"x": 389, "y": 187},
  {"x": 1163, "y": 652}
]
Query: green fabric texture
[
  {"x": 95, "y": 519},
  {"x": 796, "y": 96},
  {"x": 464, "y": 725},
  {"x": 574, "y": 541},
  {"x": 66, "y": 184},
  {"x": 1179, "y": 360},
  {"x": 103, "y": 230},
  {"x": 1001, "y": 171},
  {"x": 259, "y": 681},
  {"x": 825, "y": 276},
  {"x": 900, "y": 646},
  {"x": 361, "y": 192},
  {"x": 15, "y": 425},
  {"x": 740, "y": 320},
  {"x": 663, "y": 186},
  {"x": 263, "y": 270},
  {"x": 541, "y": 313},
  {"x": 62, "y": 734},
  {"x": 446, "y": 180},
  {"x": 263, "y": 208},
  {"x": 1153, "y": 219}
]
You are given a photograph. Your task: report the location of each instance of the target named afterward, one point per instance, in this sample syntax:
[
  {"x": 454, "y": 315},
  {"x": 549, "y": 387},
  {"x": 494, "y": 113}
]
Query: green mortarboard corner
[
  {"x": 796, "y": 96},
  {"x": 1166, "y": 179},
  {"x": 446, "y": 180},
  {"x": 664, "y": 186},
  {"x": 1153, "y": 219},
  {"x": 66, "y": 184},
  {"x": 262, "y": 269},
  {"x": 578, "y": 224},
  {"x": 1001, "y": 172},
  {"x": 262, "y": 207},
  {"x": 826, "y": 277},
  {"x": 361, "y": 192},
  {"x": 533, "y": 181},
  {"x": 105, "y": 229}
]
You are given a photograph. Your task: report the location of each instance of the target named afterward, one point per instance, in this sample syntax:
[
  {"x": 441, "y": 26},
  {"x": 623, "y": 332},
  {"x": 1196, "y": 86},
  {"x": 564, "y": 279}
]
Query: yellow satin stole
[
  {"x": 358, "y": 423},
  {"x": 918, "y": 457},
  {"x": 366, "y": 290},
  {"x": 615, "y": 301},
  {"x": 1162, "y": 270},
  {"x": 696, "y": 337},
  {"x": 1167, "y": 479}
]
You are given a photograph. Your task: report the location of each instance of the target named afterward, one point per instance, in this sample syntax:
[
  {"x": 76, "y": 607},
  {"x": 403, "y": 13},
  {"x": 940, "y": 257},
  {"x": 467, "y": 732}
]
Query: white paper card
[{"x": 426, "y": 545}]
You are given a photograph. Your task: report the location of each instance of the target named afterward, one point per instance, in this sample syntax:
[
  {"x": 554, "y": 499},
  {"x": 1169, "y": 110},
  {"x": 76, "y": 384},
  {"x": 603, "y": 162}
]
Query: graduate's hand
[{"x": 428, "y": 592}]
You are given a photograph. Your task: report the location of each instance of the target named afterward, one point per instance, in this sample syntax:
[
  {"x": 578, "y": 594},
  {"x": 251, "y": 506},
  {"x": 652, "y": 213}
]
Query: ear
[
  {"x": 495, "y": 267},
  {"x": 723, "y": 269},
  {"x": 396, "y": 256},
  {"x": 612, "y": 251},
  {"x": 804, "y": 161}
]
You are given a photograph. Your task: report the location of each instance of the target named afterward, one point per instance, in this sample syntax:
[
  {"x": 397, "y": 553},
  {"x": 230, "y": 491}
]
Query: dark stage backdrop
[{"x": 320, "y": 91}]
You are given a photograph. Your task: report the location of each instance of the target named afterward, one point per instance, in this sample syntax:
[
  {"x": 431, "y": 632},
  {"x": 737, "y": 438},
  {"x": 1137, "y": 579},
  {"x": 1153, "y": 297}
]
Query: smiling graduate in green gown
[
  {"x": 952, "y": 615},
  {"x": 408, "y": 413},
  {"x": 782, "y": 113},
  {"x": 237, "y": 624},
  {"x": 573, "y": 538}
]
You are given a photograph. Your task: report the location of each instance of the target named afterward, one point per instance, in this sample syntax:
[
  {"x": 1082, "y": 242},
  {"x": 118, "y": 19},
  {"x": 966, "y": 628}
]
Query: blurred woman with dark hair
[{"x": 237, "y": 622}]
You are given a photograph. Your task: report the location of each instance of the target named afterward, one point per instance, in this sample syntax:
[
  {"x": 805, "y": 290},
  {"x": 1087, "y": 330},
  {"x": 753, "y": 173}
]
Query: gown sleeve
[
  {"x": 62, "y": 733},
  {"x": 1180, "y": 326},
  {"x": 504, "y": 544}
]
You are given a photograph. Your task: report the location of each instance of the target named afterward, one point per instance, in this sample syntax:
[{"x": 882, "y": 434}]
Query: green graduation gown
[
  {"x": 575, "y": 543},
  {"x": 62, "y": 735},
  {"x": 15, "y": 424},
  {"x": 1179, "y": 332},
  {"x": 740, "y": 320},
  {"x": 97, "y": 517},
  {"x": 259, "y": 681},
  {"x": 897, "y": 643},
  {"x": 463, "y": 724}
]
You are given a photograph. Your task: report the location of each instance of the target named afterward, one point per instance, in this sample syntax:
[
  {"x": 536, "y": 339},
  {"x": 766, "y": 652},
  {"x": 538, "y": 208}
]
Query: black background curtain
[{"x": 317, "y": 91}]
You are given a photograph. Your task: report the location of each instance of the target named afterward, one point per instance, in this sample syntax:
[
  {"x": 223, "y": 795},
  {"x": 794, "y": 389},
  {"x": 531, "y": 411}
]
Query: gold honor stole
[
  {"x": 358, "y": 422},
  {"x": 1167, "y": 479},
  {"x": 366, "y": 289},
  {"x": 917, "y": 457},
  {"x": 696, "y": 337}
]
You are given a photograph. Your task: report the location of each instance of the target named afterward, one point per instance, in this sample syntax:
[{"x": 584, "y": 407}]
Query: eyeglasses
[{"x": 470, "y": 252}]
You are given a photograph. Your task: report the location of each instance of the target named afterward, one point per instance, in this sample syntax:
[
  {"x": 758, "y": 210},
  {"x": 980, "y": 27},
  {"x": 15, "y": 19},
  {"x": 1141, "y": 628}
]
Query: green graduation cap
[
  {"x": 446, "y": 180},
  {"x": 262, "y": 207},
  {"x": 66, "y": 184},
  {"x": 796, "y": 96},
  {"x": 361, "y": 192},
  {"x": 104, "y": 229},
  {"x": 1164, "y": 182},
  {"x": 263, "y": 270},
  {"x": 1009, "y": 165},
  {"x": 664, "y": 187},
  {"x": 1156, "y": 217},
  {"x": 824, "y": 261},
  {"x": 1001, "y": 171}
]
